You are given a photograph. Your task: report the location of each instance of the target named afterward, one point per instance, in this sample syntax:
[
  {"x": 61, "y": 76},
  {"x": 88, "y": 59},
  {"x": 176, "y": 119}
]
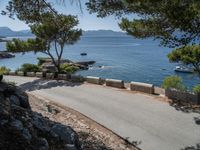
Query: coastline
[{"x": 124, "y": 58}]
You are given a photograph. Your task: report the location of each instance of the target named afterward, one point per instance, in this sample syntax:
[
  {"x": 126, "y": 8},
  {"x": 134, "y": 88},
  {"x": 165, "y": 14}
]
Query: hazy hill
[
  {"x": 7, "y": 32},
  {"x": 103, "y": 33}
]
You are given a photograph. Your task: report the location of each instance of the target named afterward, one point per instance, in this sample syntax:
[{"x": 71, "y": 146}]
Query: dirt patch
[{"x": 92, "y": 135}]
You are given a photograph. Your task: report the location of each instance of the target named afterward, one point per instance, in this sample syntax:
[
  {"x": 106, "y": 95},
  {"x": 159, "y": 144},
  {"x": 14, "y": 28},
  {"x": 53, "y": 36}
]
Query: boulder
[
  {"x": 65, "y": 134},
  {"x": 14, "y": 100},
  {"x": 21, "y": 128},
  {"x": 85, "y": 63}
]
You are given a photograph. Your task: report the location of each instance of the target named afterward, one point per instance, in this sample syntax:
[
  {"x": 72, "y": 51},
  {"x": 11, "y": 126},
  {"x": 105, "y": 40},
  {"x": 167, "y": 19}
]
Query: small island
[
  {"x": 2, "y": 39},
  {"x": 4, "y": 55}
]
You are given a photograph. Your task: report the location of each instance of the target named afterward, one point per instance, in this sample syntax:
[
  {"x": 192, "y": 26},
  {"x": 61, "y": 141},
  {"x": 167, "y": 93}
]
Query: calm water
[{"x": 123, "y": 58}]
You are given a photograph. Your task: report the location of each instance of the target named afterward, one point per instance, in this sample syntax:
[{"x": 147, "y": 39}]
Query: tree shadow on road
[
  {"x": 39, "y": 84},
  {"x": 187, "y": 108},
  {"x": 196, "y": 147},
  {"x": 135, "y": 143}
]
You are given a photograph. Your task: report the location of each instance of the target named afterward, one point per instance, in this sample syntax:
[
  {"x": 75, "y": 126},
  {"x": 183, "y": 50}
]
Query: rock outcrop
[
  {"x": 23, "y": 129},
  {"x": 48, "y": 66},
  {"x": 6, "y": 55}
]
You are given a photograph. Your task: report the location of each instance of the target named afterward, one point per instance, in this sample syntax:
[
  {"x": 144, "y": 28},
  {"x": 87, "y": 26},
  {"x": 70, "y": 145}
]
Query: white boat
[{"x": 183, "y": 69}]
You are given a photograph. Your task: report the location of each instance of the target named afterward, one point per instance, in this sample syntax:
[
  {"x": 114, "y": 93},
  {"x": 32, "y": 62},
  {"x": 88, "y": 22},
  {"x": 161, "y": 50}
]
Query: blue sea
[{"x": 122, "y": 57}]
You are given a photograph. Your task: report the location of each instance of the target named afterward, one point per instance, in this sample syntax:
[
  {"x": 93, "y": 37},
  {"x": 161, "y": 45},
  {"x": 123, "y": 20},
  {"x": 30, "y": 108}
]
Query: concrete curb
[
  {"x": 142, "y": 87},
  {"x": 39, "y": 74},
  {"x": 50, "y": 75},
  {"x": 134, "y": 86},
  {"x": 93, "y": 80},
  {"x": 30, "y": 74},
  {"x": 21, "y": 73},
  {"x": 115, "y": 83}
]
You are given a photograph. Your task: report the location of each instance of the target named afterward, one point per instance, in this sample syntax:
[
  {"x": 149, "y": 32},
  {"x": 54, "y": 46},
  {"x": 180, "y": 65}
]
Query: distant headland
[{"x": 7, "y": 32}]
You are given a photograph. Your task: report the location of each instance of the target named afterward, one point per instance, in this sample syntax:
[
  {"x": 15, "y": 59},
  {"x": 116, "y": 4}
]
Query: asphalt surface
[{"x": 140, "y": 118}]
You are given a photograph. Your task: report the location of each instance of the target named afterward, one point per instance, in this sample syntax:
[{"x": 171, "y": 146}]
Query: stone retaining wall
[{"x": 183, "y": 96}]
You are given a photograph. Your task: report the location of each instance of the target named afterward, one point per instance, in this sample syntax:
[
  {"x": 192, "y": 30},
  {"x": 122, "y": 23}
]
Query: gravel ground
[{"x": 92, "y": 135}]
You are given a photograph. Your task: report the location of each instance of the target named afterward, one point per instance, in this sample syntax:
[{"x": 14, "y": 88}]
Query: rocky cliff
[{"x": 23, "y": 129}]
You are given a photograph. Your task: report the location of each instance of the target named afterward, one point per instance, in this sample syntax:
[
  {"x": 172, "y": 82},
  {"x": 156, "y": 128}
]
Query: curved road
[{"x": 140, "y": 118}]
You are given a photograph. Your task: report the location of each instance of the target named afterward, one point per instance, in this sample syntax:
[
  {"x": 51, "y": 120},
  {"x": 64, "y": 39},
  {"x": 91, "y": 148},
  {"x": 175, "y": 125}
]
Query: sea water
[{"x": 121, "y": 57}]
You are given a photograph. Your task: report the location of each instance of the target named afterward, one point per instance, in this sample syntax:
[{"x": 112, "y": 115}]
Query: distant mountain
[
  {"x": 103, "y": 33},
  {"x": 7, "y": 32}
]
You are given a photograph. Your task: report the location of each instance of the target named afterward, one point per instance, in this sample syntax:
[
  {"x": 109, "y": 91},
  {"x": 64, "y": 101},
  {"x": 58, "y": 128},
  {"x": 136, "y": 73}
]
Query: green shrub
[
  {"x": 67, "y": 68},
  {"x": 29, "y": 68},
  {"x": 173, "y": 82},
  {"x": 4, "y": 70},
  {"x": 196, "y": 89}
]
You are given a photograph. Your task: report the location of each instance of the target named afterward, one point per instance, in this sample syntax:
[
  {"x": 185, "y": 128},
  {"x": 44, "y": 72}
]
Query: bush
[
  {"x": 67, "y": 68},
  {"x": 4, "y": 70},
  {"x": 173, "y": 82},
  {"x": 29, "y": 68},
  {"x": 196, "y": 89}
]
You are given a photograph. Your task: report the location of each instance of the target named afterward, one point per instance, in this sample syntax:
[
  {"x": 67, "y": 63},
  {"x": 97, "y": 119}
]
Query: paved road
[{"x": 140, "y": 118}]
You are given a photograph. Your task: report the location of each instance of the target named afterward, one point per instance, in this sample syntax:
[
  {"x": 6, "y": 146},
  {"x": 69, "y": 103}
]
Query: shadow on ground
[
  {"x": 39, "y": 84},
  {"x": 135, "y": 143},
  {"x": 187, "y": 108},
  {"x": 196, "y": 147},
  {"x": 90, "y": 142}
]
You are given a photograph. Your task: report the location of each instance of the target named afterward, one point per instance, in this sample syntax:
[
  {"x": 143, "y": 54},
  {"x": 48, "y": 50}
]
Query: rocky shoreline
[
  {"x": 4, "y": 55},
  {"x": 48, "y": 66}
]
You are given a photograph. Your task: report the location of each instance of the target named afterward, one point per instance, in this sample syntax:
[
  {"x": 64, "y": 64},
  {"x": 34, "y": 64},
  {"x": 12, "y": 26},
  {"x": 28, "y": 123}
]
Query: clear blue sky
[{"x": 87, "y": 21}]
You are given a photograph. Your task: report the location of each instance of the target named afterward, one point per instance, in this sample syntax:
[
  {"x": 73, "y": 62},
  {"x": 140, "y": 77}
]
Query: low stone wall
[
  {"x": 30, "y": 74},
  {"x": 93, "y": 80},
  {"x": 134, "y": 86},
  {"x": 159, "y": 90},
  {"x": 142, "y": 87},
  {"x": 63, "y": 76},
  {"x": 50, "y": 75},
  {"x": 183, "y": 96},
  {"x": 12, "y": 73},
  {"x": 39, "y": 74},
  {"x": 115, "y": 83},
  {"x": 21, "y": 73},
  {"x": 77, "y": 78}
]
